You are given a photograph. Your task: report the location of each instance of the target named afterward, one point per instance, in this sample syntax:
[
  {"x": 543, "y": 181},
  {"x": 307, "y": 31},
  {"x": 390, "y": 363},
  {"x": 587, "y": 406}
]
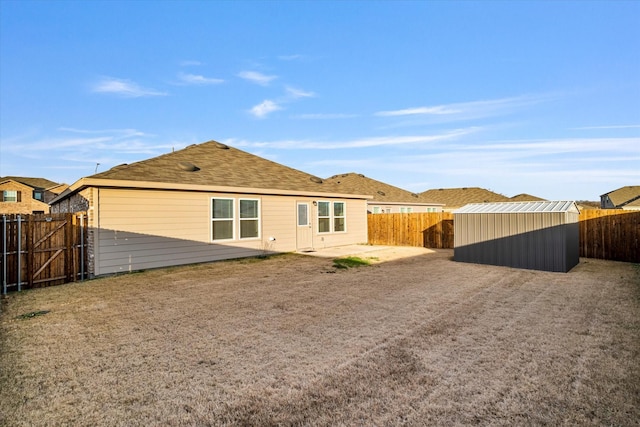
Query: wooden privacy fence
[
  {"x": 42, "y": 250},
  {"x": 612, "y": 234}
]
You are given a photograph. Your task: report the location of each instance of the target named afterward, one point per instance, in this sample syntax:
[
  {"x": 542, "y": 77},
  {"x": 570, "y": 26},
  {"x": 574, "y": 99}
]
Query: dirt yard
[{"x": 291, "y": 340}]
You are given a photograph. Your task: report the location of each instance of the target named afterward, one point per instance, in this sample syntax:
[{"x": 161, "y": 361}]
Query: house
[
  {"x": 623, "y": 198},
  {"x": 22, "y": 195},
  {"x": 209, "y": 202},
  {"x": 386, "y": 198},
  {"x": 454, "y": 198},
  {"x": 526, "y": 198}
]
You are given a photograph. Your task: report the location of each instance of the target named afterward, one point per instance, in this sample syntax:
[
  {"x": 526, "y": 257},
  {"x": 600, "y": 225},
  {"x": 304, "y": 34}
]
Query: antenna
[{"x": 96, "y": 171}]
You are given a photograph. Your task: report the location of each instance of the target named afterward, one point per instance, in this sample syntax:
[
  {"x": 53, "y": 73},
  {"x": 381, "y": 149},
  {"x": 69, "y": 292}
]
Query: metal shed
[{"x": 540, "y": 235}]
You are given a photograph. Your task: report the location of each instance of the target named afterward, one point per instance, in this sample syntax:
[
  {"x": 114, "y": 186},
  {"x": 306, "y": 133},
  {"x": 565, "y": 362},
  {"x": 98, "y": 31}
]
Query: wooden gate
[{"x": 43, "y": 250}]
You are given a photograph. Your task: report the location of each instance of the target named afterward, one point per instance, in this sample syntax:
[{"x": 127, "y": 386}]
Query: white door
[{"x": 304, "y": 229}]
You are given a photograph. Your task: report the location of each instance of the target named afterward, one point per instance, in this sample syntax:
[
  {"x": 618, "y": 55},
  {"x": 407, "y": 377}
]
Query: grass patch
[
  {"x": 32, "y": 314},
  {"x": 350, "y": 262}
]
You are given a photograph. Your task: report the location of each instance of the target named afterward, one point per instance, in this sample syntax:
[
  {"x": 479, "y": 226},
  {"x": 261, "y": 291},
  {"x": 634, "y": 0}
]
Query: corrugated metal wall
[{"x": 547, "y": 241}]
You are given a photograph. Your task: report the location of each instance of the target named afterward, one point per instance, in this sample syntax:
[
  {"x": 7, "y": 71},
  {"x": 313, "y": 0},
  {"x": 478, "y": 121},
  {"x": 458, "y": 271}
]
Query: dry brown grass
[{"x": 290, "y": 340}]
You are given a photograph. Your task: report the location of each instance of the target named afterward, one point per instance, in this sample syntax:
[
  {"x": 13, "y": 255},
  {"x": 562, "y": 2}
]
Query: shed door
[{"x": 304, "y": 230}]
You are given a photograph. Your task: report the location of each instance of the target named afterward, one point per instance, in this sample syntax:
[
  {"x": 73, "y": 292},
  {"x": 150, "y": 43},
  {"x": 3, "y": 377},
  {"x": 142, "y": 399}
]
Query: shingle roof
[
  {"x": 382, "y": 192},
  {"x": 215, "y": 164},
  {"x": 624, "y": 195},
  {"x": 456, "y": 197},
  {"x": 39, "y": 183},
  {"x": 526, "y": 198}
]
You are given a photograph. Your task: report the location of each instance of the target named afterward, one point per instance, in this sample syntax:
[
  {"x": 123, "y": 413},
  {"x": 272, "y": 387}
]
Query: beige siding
[{"x": 142, "y": 229}]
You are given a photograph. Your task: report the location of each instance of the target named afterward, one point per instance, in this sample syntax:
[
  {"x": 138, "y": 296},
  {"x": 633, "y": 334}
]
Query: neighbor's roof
[
  {"x": 382, "y": 192},
  {"x": 526, "y": 198},
  {"x": 39, "y": 183},
  {"x": 624, "y": 195},
  {"x": 456, "y": 197},
  {"x": 519, "y": 207},
  {"x": 209, "y": 166}
]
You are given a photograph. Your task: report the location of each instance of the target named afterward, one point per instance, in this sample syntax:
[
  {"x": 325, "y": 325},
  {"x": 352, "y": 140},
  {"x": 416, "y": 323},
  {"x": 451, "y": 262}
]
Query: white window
[
  {"x": 406, "y": 209},
  {"x": 222, "y": 219},
  {"x": 324, "y": 217},
  {"x": 376, "y": 209},
  {"x": 249, "y": 219},
  {"x": 10, "y": 196},
  {"x": 338, "y": 217},
  {"x": 331, "y": 217},
  {"x": 226, "y": 224},
  {"x": 303, "y": 214}
]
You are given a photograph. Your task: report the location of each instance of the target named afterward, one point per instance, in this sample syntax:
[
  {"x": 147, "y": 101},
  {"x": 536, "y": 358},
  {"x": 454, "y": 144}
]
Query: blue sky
[{"x": 516, "y": 97}]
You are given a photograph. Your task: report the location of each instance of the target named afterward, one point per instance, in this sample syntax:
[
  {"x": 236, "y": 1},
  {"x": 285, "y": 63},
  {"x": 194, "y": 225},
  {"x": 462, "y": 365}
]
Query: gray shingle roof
[
  {"x": 38, "y": 183},
  {"x": 381, "y": 192},
  {"x": 215, "y": 164},
  {"x": 624, "y": 195},
  {"x": 456, "y": 197}
]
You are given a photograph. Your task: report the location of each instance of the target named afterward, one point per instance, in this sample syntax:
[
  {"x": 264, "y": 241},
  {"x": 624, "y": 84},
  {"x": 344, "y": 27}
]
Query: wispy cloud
[
  {"x": 290, "y": 57},
  {"x": 441, "y": 109},
  {"x": 256, "y": 77},
  {"x": 356, "y": 143},
  {"x": 607, "y": 127},
  {"x": 196, "y": 79},
  {"x": 264, "y": 108},
  {"x": 324, "y": 116},
  {"x": 467, "y": 110},
  {"x": 295, "y": 93},
  {"x": 124, "y": 88},
  {"x": 190, "y": 63}
]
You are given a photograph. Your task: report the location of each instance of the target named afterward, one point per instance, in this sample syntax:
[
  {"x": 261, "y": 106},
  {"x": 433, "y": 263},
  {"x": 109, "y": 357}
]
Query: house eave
[
  {"x": 379, "y": 202},
  {"x": 172, "y": 186}
]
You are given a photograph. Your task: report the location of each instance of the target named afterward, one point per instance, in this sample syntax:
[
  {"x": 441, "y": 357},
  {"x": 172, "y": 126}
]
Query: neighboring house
[
  {"x": 209, "y": 202},
  {"x": 386, "y": 198},
  {"x": 622, "y": 198},
  {"x": 21, "y": 195},
  {"x": 526, "y": 198},
  {"x": 454, "y": 198}
]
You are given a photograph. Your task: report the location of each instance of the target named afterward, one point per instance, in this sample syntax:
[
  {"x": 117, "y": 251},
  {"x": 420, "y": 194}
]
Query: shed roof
[
  {"x": 382, "y": 192},
  {"x": 519, "y": 207}
]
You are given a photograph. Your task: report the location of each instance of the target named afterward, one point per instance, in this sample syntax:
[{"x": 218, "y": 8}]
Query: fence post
[
  {"x": 4, "y": 254},
  {"x": 81, "y": 247},
  {"x": 19, "y": 252},
  {"x": 29, "y": 243}
]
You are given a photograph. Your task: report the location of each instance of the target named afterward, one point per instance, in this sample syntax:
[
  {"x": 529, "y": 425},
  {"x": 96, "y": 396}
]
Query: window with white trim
[
  {"x": 406, "y": 209},
  {"x": 249, "y": 218},
  {"x": 331, "y": 217},
  {"x": 339, "y": 216},
  {"x": 226, "y": 224},
  {"x": 324, "y": 217},
  {"x": 11, "y": 196},
  {"x": 222, "y": 219}
]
